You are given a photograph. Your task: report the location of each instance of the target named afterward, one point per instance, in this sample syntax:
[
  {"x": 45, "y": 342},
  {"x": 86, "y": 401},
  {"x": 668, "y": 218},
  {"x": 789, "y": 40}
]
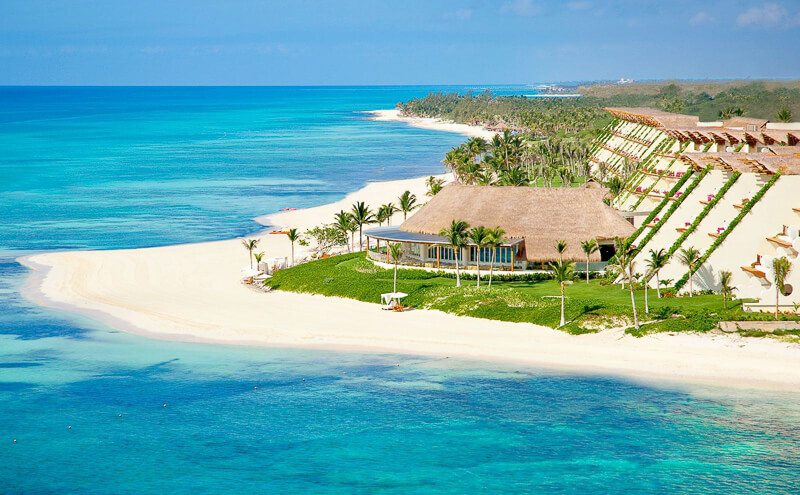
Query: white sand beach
[
  {"x": 193, "y": 293},
  {"x": 433, "y": 124}
]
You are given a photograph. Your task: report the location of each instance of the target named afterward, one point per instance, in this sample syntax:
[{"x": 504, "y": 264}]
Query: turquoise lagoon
[{"x": 93, "y": 410}]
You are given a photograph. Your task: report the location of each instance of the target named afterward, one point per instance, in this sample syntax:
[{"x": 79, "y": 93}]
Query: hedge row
[
  {"x": 710, "y": 206},
  {"x": 659, "y": 207},
  {"x": 674, "y": 206},
  {"x": 664, "y": 144},
  {"x": 672, "y": 209},
  {"x": 745, "y": 210}
]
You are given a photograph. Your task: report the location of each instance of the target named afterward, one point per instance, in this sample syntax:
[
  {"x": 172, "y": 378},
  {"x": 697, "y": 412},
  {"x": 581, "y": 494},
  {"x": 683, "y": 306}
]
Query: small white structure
[
  {"x": 392, "y": 299},
  {"x": 270, "y": 265}
]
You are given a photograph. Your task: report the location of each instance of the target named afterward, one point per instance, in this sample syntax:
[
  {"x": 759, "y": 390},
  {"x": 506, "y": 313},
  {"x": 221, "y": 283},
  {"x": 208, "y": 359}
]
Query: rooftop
[
  {"x": 653, "y": 117},
  {"x": 689, "y": 126},
  {"x": 762, "y": 163},
  {"x": 541, "y": 216}
]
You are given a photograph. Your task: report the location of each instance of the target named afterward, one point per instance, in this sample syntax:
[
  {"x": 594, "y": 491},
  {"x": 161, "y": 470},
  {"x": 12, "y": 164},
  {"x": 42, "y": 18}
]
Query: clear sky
[{"x": 299, "y": 42}]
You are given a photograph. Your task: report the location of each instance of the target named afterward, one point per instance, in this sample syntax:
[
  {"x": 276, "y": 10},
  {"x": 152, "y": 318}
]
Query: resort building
[
  {"x": 730, "y": 190},
  {"x": 534, "y": 220}
]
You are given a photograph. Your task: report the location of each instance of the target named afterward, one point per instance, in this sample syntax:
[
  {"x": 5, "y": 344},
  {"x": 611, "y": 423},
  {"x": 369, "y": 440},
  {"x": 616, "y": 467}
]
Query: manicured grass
[{"x": 589, "y": 307}]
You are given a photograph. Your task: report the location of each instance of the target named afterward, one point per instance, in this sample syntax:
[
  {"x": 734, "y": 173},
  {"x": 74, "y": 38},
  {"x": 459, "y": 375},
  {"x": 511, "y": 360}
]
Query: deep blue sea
[{"x": 93, "y": 410}]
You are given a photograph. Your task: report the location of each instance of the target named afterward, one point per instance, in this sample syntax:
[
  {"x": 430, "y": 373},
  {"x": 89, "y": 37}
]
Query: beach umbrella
[{"x": 249, "y": 272}]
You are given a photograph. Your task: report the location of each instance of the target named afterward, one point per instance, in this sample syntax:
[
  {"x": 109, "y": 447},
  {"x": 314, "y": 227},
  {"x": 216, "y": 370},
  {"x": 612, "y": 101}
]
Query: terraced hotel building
[{"x": 729, "y": 189}]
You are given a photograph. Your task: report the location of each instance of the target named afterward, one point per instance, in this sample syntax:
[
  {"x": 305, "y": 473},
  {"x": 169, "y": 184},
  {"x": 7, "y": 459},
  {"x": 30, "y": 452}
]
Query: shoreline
[
  {"x": 431, "y": 123},
  {"x": 192, "y": 293}
]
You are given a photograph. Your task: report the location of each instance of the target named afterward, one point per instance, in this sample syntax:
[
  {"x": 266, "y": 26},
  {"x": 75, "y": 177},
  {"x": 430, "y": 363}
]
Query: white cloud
[
  {"x": 768, "y": 14},
  {"x": 700, "y": 18},
  {"x": 520, "y": 7}
]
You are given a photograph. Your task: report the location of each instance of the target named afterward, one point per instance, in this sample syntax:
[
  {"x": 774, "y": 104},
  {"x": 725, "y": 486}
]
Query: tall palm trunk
[
  {"x": 394, "y": 285},
  {"x": 360, "y": 238},
  {"x": 633, "y": 303},
  {"x": 563, "y": 320},
  {"x": 491, "y": 267},
  {"x": 478, "y": 263},
  {"x": 587, "y": 268},
  {"x": 292, "y": 253},
  {"x": 777, "y": 299},
  {"x": 658, "y": 286},
  {"x": 646, "y": 304},
  {"x": 458, "y": 272},
  {"x": 251, "y": 258}
]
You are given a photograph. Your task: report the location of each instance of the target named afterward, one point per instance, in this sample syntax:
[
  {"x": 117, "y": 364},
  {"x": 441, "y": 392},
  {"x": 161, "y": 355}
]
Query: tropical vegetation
[{"x": 588, "y": 307}]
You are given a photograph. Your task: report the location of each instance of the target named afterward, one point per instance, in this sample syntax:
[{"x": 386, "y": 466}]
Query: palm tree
[
  {"x": 614, "y": 185},
  {"x": 689, "y": 257},
  {"x": 646, "y": 283},
  {"x": 496, "y": 238},
  {"x": 434, "y": 185},
  {"x": 456, "y": 237},
  {"x": 479, "y": 236},
  {"x": 563, "y": 272},
  {"x": 362, "y": 215},
  {"x": 726, "y": 288},
  {"x": 658, "y": 260},
  {"x": 395, "y": 252},
  {"x": 381, "y": 215},
  {"x": 258, "y": 257},
  {"x": 353, "y": 229},
  {"x": 561, "y": 248},
  {"x": 730, "y": 112},
  {"x": 476, "y": 146},
  {"x": 293, "y": 236},
  {"x": 250, "y": 245},
  {"x": 514, "y": 177},
  {"x": 456, "y": 161},
  {"x": 623, "y": 263},
  {"x": 784, "y": 115},
  {"x": 589, "y": 248},
  {"x": 390, "y": 210},
  {"x": 407, "y": 203},
  {"x": 782, "y": 266},
  {"x": 343, "y": 223},
  {"x": 384, "y": 213}
]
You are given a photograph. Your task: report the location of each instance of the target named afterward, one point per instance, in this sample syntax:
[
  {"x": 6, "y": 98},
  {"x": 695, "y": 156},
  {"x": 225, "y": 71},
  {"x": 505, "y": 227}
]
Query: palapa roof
[
  {"x": 760, "y": 163},
  {"x": 744, "y": 122},
  {"x": 653, "y": 117},
  {"x": 540, "y": 216},
  {"x": 688, "y": 127}
]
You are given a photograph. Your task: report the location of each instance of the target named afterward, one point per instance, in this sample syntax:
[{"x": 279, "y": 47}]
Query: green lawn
[{"x": 589, "y": 306}]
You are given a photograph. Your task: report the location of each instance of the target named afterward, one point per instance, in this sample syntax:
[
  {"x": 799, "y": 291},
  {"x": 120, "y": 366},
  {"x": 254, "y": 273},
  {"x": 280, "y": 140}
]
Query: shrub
[
  {"x": 710, "y": 206},
  {"x": 725, "y": 233},
  {"x": 672, "y": 208}
]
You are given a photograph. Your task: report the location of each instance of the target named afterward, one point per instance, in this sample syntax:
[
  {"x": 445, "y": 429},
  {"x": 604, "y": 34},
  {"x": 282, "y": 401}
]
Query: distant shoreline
[{"x": 433, "y": 124}]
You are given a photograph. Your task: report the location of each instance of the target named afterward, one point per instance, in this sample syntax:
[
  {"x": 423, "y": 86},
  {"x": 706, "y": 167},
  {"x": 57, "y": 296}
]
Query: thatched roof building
[{"x": 534, "y": 218}]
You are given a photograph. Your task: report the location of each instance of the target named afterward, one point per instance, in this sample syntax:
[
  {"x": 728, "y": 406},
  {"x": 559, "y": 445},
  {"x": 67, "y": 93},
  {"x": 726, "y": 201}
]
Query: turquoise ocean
[{"x": 86, "y": 409}]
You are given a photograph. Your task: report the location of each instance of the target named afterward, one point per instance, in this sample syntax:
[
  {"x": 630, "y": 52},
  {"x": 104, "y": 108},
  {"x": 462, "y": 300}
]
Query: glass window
[
  {"x": 415, "y": 249},
  {"x": 432, "y": 252},
  {"x": 447, "y": 253},
  {"x": 502, "y": 255}
]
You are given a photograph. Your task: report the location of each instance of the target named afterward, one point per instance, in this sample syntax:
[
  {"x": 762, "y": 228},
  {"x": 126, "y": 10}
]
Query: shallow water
[{"x": 197, "y": 164}]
